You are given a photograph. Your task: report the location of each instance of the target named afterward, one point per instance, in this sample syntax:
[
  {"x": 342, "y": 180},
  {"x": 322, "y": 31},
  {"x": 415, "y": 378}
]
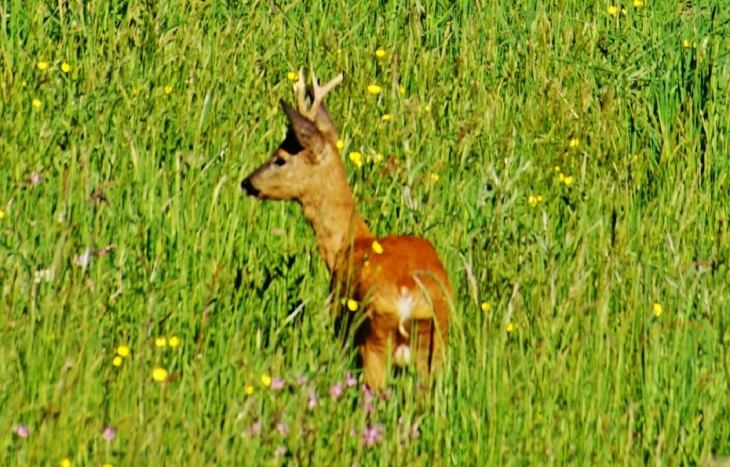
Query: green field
[{"x": 568, "y": 159}]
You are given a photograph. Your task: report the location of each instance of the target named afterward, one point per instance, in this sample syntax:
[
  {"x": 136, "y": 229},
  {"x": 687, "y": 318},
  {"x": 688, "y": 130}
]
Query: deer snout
[{"x": 248, "y": 187}]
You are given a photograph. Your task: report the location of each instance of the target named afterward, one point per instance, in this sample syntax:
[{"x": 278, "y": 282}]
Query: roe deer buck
[{"x": 398, "y": 282}]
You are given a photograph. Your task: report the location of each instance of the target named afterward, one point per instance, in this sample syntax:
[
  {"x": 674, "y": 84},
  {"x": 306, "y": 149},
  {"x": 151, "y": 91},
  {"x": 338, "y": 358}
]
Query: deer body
[{"x": 398, "y": 282}]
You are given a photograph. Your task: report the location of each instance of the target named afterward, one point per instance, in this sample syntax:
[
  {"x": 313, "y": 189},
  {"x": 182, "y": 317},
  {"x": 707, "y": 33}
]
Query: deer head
[{"x": 308, "y": 158}]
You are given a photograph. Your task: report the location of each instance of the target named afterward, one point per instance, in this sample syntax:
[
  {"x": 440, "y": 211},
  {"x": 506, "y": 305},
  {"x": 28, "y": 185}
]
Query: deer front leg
[{"x": 373, "y": 362}]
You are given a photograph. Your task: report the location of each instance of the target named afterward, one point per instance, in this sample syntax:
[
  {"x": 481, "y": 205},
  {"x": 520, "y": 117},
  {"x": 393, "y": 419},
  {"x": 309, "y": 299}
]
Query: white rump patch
[
  {"x": 405, "y": 304},
  {"x": 402, "y": 355}
]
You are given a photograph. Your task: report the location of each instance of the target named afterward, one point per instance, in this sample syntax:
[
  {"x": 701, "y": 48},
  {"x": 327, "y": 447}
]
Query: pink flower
[
  {"x": 336, "y": 391},
  {"x": 283, "y": 428},
  {"x": 35, "y": 178},
  {"x": 254, "y": 430},
  {"x": 367, "y": 398},
  {"x": 83, "y": 259},
  {"x": 313, "y": 400},
  {"x": 280, "y": 451},
  {"x": 350, "y": 380},
  {"x": 109, "y": 433},
  {"x": 21, "y": 431},
  {"x": 277, "y": 383},
  {"x": 105, "y": 251},
  {"x": 301, "y": 380},
  {"x": 372, "y": 435}
]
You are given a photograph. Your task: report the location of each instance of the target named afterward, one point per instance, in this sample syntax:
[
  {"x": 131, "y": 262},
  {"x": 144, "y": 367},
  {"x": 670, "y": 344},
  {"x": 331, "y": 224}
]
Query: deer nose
[{"x": 248, "y": 187}]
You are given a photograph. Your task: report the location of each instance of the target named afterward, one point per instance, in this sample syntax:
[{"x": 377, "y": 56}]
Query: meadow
[{"x": 568, "y": 159}]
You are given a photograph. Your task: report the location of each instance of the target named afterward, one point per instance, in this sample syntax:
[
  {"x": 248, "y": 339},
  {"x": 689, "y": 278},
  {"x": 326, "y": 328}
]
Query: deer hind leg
[
  {"x": 423, "y": 350},
  {"x": 432, "y": 338}
]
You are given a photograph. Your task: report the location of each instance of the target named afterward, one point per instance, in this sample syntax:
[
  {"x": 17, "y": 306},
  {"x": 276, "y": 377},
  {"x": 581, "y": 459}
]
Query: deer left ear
[{"x": 306, "y": 132}]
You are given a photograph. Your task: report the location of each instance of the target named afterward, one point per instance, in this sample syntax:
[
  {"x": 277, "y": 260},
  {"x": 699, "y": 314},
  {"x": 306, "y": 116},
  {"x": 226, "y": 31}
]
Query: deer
[{"x": 391, "y": 296}]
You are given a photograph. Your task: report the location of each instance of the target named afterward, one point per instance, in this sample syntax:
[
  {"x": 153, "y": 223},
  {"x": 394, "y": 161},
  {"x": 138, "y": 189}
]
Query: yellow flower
[
  {"x": 174, "y": 341},
  {"x": 352, "y": 304},
  {"x": 638, "y": 3},
  {"x": 377, "y": 248},
  {"x": 567, "y": 179},
  {"x": 486, "y": 306},
  {"x": 107, "y": 465},
  {"x": 657, "y": 309},
  {"x": 123, "y": 351},
  {"x": 65, "y": 462},
  {"x": 160, "y": 342},
  {"x": 435, "y": 177},
  {"x": 532, "y": 201},
  {"x": 292, "y": 76},
  {"x": 340, "y": 144},
  {"x": 117, "y": 361},
  {"x": 266, "y": 379},
  {"x": 426, "y": 108},
  {"x": 402, "y": 89},
  {"x": 380, "y": 53},
  {"x": 510, "y": 327},
  {"x": 574, "y": 143},
  {"x": 374, "y": 89},
  {"x": 159, "y": 374},
  {"x": 2, "y": 213},
  {"x": 539, "y": 198},
  {"x": 356, "y": 158},
  {"x": 37, "y": 103},
  {"x": 612, "y": 10},
  {"x": 556, "y": 169},
  {"x": 65, "y": 67},
  {"x": 385, "y": 117},
  {"x": 686, "y": 43},
  {"x": 248, "y": 389},
  {"x": 43, "y": 66},
  {"x": 168, "y": 89},
  {"x": 378, "y": 157}
]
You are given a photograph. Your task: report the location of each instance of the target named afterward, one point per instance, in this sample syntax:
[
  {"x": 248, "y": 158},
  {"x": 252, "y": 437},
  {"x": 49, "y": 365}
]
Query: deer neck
[{"x": 335, "y": 221}]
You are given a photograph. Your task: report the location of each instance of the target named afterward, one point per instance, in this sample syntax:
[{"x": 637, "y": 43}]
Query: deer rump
[{"x": 403, "y": 297}]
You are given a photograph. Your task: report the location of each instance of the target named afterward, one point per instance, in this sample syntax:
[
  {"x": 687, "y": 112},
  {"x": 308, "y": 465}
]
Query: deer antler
[
  {"x": 300, "y": 89},
  {"x": 318, "y": 93}
]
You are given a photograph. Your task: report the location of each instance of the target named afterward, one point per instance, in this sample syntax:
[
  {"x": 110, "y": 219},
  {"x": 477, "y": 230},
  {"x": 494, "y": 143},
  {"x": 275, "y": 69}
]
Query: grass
[{"x": 580, "y": 207}]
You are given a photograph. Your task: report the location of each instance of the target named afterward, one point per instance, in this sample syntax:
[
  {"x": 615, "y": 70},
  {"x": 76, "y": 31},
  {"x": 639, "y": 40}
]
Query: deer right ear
[
  {"x": 306, "y": 132},
  {"x": 325, "y": 124}
]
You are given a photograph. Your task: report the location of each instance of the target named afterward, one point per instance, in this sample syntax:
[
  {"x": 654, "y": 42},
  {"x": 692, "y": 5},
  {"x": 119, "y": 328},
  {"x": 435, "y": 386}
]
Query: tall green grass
[{"x": 569, "y": 161}]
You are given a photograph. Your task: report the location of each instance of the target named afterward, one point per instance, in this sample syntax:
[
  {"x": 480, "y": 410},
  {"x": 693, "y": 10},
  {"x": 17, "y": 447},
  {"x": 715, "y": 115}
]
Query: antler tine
[
  {"x": 320, "y": 91},
  {"x": 300, "y": 89}
]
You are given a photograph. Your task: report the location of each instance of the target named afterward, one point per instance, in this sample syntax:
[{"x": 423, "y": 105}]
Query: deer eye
[{"x": 279, "y": 161}]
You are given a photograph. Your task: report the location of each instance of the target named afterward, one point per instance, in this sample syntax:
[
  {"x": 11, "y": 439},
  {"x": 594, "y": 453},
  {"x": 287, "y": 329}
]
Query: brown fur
[{"x": 406, "y": 275}]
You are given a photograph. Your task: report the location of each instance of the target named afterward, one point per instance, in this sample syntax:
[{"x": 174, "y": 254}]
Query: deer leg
[{"x": 373, "y": 362}]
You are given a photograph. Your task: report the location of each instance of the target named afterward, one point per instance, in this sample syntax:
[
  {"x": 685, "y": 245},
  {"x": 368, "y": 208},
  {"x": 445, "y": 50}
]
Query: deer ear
[
  {"x": 306, "y": 132},
  {"x": 324, "y": 123}
]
